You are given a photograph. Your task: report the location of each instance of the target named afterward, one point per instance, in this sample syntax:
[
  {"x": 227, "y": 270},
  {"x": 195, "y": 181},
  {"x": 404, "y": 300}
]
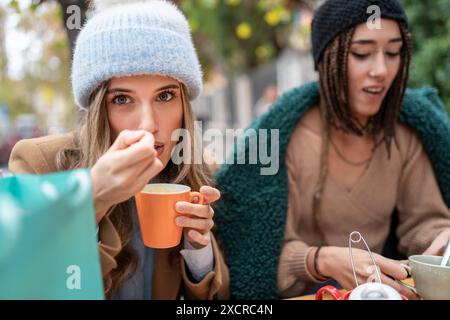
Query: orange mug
[{"x": 156, "y": 213}]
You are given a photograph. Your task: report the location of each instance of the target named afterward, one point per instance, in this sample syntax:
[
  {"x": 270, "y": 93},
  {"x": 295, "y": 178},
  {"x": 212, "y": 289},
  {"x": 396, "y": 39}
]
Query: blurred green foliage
[
  {"x": 43, "y": 76},
  {"x": 236, "y": 35},
  {"x": 430, "y": 24}
]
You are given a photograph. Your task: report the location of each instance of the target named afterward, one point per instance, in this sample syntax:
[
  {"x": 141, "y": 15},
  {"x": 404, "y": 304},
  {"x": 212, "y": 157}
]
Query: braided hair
[{"x": 334, "y": 105}]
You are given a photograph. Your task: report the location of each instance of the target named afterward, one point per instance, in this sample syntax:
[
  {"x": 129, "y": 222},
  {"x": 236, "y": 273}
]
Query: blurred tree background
[
  {"x": 430, "y": 24},
  {"x": 43, "y": 80},
  {"x": 238, "y": 35},
  {"x": 232, "y": 37}
]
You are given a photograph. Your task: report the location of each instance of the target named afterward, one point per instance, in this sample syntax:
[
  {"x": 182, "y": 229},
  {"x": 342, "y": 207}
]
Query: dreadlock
[{"x": 334, "y": 105}]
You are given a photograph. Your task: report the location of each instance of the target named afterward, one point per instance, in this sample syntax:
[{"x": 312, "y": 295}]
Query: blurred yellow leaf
[
  {"x": 211, "y": 4},
  {"x": 33, "y": 7},
  {"x": 193, "y": 24},
  {"x": 48, "y": 94},
  {"x": 272, "y": 17},
  {"x": 261, "y": 52},
  {"x": 264, "y": 52},
  {"x": 244, "y": 31},
  {"x": 15, "y": 5},
  {"x": 60, "y": 44}
]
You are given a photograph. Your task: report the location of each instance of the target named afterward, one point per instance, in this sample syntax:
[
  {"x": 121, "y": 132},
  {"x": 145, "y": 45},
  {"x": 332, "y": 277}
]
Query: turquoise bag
[{"x": 48, "y": 243}]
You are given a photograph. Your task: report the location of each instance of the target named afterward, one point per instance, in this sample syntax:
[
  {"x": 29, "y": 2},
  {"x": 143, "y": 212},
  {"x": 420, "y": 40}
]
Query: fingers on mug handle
[
  {"x": 200, "y": 198},
  {"x": 407, "y": 268},
  {"x": 407, "y": 286}
]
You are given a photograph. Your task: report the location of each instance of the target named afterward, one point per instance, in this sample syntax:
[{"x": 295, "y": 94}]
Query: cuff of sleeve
[
  {"x": 200, "y": 262},
  {"x": 298, "y": 265},
  {"x": 214, "y": 284},
  {"x": 423, "y": 240},
  {"x": 418, "y": 244}
]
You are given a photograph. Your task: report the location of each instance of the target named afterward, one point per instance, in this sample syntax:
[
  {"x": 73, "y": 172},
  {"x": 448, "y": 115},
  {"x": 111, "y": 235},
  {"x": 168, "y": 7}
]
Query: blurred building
[{"x": 232, "y": 103}]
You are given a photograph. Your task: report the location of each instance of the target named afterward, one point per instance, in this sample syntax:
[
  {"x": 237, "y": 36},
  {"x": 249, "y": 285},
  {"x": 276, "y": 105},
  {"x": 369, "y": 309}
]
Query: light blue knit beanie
[{"x": 134, "y": 38}]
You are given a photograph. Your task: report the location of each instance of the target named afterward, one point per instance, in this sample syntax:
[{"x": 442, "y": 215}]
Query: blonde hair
[{"x": 93, "y": 139}]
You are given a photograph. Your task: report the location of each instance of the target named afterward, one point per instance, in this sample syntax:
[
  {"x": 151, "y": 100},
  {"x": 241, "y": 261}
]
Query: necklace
[{"x": 350, "y": 162}]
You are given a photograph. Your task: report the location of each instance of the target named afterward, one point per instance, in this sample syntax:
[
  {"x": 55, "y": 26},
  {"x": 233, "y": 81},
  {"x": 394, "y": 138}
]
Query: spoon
[{"x": 446, "y": 254}]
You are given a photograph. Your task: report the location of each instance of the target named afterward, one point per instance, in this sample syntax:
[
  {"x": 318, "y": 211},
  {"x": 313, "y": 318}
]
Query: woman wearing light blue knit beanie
[{"x": 134, "y": 73}]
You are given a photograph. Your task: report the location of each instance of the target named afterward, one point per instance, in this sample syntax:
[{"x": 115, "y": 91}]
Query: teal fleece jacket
[{"x": 251, "y": 215}]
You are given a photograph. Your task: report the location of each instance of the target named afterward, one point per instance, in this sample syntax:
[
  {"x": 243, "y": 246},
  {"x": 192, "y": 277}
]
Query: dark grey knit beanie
[{"x": 336, "y": 16}]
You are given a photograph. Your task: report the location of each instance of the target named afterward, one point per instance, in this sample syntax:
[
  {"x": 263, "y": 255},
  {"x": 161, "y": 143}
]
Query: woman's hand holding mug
[
  {"x": 334, "y": 262},
  {"x": 197, "y": 219}
]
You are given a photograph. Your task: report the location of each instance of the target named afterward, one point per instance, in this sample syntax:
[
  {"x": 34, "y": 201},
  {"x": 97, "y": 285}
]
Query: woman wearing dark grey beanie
[
  {"x": 134, "y": 73},
  {"x": 356, "y": 148}
]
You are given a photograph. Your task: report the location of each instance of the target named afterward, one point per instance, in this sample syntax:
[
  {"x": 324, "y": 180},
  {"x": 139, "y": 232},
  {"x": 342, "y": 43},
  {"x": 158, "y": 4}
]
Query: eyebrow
[
  {"x": 114, "y": 90},
  {"x": 367, "y": 41},
  {"x": 118, "y": 90},
  {"x": 170, "y": 86}
]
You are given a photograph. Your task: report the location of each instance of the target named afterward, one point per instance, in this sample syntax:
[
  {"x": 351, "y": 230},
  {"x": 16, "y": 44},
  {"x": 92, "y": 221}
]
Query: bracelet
[{"x": 316, "y": 269}]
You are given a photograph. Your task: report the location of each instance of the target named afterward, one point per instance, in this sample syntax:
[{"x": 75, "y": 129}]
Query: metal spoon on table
[{"x": 446, "y": 254}]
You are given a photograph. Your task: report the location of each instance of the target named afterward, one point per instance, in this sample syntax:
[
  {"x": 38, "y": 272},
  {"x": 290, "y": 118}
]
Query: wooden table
[{"x": 408, "y": 281}]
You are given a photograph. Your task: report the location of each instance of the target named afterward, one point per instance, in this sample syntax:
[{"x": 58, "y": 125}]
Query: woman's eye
[
  {"x": 360, "y": 56},
  {"x": 392, "y": 54},
  {"x": 165, "y": 96},
  {"x": 121, "y": 100}
]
